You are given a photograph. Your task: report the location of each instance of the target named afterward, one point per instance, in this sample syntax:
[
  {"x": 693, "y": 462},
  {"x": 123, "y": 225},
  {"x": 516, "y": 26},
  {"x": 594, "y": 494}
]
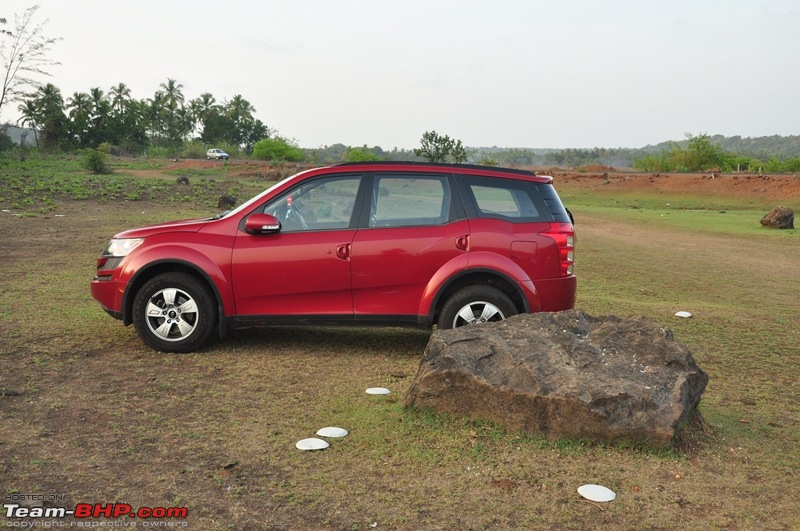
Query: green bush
[
  {"x": 277, "y": 149},
  {"x": 437, "y": 148},
  {"x": 699, "y": 155},
  {"x": 158, "y": 152},
  {"x": 194, "y": 150},
  {"x": 792, "y": 165},
  {"x": 655, "y": 162},
  {"x": 360, "y": 154},
  {"x": 96, "y": 159}
]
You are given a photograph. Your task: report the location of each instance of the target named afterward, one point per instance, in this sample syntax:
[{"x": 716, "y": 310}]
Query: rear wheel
[
  {"x": 174, "y": 312},
  {"x": 476, "y": 304}
]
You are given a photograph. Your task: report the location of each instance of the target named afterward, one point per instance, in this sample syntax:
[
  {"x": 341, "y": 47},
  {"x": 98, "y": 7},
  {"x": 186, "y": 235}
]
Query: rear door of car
[
  {"x": 413, "y": 225},
  {"x": 507, "y": 220}
]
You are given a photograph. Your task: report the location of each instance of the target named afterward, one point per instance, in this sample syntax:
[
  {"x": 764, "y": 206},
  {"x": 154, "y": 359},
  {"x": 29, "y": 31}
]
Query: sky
[{"x": 506, "y": 73}]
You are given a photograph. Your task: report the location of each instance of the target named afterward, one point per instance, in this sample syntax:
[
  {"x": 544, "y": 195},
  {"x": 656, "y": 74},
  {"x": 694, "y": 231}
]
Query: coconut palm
[
  {"x": 80, "y": 113},
  {"x": 120, "y": 97},
  {"x": 48, "y": 98},
  {"x": 101, "y": 110},
  {"x": 29, "y": 117},
  {"x": 49, "y": 104},
  {"x": 239, "y": 109},
  {"x": 203, "y": 108},
  {"x": 154, "y": 112},
  {"x": 79, "y": 104},
  {"x": 178, "y": 122},
  {"x": 173, "y": 94}
]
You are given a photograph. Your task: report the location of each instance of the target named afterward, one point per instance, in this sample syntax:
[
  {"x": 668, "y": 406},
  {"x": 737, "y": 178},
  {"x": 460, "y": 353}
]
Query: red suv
[{"x": 390, "y": 243}]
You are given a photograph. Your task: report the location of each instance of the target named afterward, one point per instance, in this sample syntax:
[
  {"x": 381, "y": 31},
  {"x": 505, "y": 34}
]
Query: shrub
[
  {"x": 158, "y": 152},
  {"x": 96, "y": 159},
  {"x": 194, "y": 150},
  {"x": 277, "y": 149},
  {"x": 437, "y": 148},
  {"x": 360, "y": 154}
]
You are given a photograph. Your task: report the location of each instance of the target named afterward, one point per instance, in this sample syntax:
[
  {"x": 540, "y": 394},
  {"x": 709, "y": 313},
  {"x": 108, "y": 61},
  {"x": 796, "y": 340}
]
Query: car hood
[{"x": 186, "y": 225}]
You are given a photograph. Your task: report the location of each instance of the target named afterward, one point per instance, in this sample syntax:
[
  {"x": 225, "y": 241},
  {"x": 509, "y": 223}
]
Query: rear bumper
[{"x": 557, "y": 294}]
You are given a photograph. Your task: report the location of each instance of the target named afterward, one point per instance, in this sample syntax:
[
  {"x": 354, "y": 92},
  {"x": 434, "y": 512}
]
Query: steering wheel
[{"x": 293, "y": 213}]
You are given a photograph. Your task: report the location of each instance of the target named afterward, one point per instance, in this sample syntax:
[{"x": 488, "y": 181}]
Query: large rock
[
  {"x": 564, "y": 374},
  {"x": 779, "y": 218}
]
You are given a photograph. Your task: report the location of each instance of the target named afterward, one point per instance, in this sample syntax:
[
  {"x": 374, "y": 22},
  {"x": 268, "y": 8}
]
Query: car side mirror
[{"x": 262, "y": 224}]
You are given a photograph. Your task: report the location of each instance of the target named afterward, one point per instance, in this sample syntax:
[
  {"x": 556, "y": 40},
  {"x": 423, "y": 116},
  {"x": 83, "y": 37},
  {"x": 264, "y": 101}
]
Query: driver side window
[{"x": 321, "y": 204}]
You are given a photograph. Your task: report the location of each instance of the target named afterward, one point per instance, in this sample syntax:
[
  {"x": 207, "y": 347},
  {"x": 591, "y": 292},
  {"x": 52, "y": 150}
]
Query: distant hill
[{"x": 761, "y": 147}]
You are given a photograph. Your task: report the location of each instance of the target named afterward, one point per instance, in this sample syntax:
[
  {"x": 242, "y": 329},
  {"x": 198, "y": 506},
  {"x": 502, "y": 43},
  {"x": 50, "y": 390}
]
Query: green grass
[
  {"x": 685, "y": 211},
  {"x": 39, "y": 184},
  {"x": 217, "y": 171}
]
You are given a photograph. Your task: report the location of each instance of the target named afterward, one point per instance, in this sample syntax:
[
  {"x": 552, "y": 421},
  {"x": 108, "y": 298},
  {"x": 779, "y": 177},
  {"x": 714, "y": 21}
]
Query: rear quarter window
[{"x": 505, "y": 199}]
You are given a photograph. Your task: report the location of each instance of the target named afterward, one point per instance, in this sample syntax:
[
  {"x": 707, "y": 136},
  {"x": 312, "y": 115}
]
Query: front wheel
[
  {"x": 476, "y": 304},
  {"x": 174, "y": 312}
]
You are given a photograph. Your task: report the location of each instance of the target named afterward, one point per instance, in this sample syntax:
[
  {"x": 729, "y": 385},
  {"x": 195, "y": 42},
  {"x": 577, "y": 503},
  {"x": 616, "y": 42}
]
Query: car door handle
[
  {"x": 343, "y": 251},
  {"x": 462, "y": 243}
]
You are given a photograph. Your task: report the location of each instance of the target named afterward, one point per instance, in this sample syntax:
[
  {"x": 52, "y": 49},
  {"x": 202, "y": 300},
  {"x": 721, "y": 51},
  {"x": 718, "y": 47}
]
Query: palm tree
[
  {"x": 29, "y": 117},
  {"x": 173, "y": 94},
  {"x": 100, "y": 104},
  {"x": 204, "y": 107},
  {"x": 79, "y": 104},
  {"x": 178, "y": 124},
  {"x": 154, "y": 111},
  {"x": 239, "y": 109},
  {"x": 120, "y": 96},
  {"x": 48, "y": 98},
  {"x": 49, "y": 104},
  {"x": 80, "y": 112},
  {"x": 101, "y": 109}
]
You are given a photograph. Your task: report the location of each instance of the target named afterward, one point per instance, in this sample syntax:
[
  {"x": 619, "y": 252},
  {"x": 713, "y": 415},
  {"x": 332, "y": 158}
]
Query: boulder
[
  {"x": 780, "y": 218},
  {"x": 564, "y": 374},
  {"x": 227, "y": 201}
]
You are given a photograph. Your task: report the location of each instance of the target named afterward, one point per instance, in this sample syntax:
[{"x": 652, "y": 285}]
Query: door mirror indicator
[{"x": 262, "y": 224}]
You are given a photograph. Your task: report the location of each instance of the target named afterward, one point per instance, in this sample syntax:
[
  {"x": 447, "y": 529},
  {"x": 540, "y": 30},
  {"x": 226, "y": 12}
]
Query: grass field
[{"x": 95, "y": 415}]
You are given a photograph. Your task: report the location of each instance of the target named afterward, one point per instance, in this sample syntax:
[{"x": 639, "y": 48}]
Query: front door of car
[
  {"x": 414, "y": 231},
  {"x": 304, "y": 269}
]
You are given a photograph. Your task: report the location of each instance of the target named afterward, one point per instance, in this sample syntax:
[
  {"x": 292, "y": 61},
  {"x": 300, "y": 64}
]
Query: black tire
[
  {"x": 174, "y": 312},
  {"x": 475, "y": 304}
]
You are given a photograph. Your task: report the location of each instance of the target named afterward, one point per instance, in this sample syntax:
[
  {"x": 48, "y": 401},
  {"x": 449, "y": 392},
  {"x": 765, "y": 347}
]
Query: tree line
[{"x": 132, "y": 126}]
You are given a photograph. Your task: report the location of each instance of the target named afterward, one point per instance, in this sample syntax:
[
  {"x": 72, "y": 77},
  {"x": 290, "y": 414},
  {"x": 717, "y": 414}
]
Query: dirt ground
[{"x": 777, "y": 188}]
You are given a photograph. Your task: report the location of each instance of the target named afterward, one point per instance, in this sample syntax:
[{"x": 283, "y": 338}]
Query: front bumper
[{"x": 109, "y": 294}]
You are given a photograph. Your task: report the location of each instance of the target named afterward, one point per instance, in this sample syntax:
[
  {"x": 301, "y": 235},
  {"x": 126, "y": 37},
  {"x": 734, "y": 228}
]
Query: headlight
[{"x": 122, "y": 246}]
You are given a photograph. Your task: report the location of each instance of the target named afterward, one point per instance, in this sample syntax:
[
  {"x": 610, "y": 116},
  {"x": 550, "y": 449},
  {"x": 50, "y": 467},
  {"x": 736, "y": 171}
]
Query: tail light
[{"x": 564, "y": 236}]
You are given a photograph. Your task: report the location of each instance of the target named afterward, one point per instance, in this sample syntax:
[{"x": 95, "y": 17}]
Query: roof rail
[{"x": 437, "y": 164}]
